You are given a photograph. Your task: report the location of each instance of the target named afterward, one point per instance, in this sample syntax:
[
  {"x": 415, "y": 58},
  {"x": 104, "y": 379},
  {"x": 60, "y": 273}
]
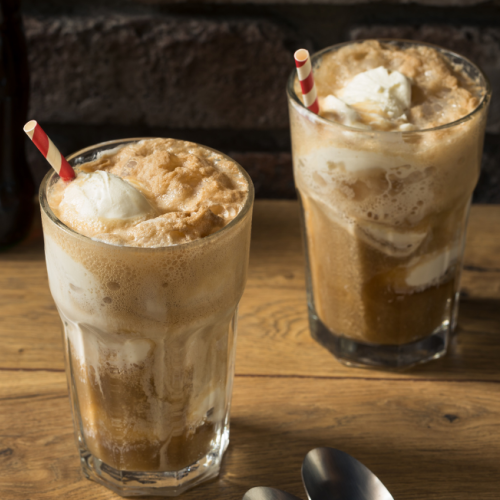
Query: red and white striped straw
[
  {"x": 47, "y": 148},
  {"x": 306, "y": 79}
]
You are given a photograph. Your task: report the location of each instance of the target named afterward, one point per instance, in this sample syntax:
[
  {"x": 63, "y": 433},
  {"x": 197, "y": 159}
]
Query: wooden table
[{"x": 432, "y": 432}]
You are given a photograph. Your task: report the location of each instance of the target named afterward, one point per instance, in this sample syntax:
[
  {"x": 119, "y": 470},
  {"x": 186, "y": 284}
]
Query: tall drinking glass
[
  {"x": 149, "y": 336},
  {"x": 384, "y": 224}
]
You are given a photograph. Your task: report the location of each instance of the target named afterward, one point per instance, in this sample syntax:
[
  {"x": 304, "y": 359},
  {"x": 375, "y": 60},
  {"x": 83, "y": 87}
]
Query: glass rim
[
  {"x": 200, "y": 241},
  {"x": 292, "y": 96}
]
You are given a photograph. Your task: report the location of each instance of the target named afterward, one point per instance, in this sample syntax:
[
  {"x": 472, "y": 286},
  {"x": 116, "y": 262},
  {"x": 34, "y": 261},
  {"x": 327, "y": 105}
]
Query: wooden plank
[
  {"x": 436, "y": 440},
  {"x": 273, "y": 331},
  {"x": 481, "y": 277}
]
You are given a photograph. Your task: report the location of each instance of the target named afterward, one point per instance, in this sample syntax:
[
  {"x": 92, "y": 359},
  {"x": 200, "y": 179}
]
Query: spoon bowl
[{"x": 330, "y": 474}]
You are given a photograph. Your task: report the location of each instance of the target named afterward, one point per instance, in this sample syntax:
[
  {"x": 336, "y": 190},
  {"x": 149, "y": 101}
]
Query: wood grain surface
[{"x": 431, "y": 432}]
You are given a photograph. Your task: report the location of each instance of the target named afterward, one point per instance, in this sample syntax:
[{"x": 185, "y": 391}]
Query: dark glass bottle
[{"x": 16, "y": 184}]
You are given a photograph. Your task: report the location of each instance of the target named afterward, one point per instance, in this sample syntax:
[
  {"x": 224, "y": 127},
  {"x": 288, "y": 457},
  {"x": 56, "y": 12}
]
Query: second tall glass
[{"x": 384, "y": 223}]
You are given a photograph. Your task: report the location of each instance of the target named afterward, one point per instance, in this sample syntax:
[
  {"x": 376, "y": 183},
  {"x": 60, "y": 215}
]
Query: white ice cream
[
  {"x": 104, "y": 196},
  {"x": 428, "y": 269},
  {"x": 350, "y": 160},
  {"x": 390, "y": 92},
  {"x": 385, "y": 96},
  {"x": 390, "y": 241}
]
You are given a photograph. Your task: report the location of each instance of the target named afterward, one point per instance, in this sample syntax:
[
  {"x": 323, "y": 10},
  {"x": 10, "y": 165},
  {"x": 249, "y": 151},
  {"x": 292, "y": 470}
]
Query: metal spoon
[
  {"x": 330, "y": 474},
  {"x": 265, "y": 493}
]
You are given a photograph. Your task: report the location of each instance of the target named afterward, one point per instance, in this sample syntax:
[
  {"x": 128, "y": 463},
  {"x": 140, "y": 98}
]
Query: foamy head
[
  {"x": 394, "y": 86},
  {"x": 152, "y": 193}
]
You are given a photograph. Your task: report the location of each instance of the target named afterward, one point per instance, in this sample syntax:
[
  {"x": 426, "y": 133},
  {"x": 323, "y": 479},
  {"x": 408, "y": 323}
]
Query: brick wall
[{"x": 215, "y": 71}]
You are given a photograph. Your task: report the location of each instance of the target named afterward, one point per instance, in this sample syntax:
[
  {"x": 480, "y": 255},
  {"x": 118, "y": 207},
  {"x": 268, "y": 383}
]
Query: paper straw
[
  {"x": 47, "y": 148},
  {"x": 306, "y": 79}
]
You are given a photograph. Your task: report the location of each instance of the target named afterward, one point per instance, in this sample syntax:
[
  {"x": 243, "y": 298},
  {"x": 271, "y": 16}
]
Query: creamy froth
[
  {"x": 392, "y": 88},
  {"x": 152, "y": 193}
]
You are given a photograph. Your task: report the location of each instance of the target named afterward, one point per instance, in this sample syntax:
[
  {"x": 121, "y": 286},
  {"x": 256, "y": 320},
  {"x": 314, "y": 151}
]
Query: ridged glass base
[
  {"x": 354, "y": 353},
  {"x": 168, "y": 484}
]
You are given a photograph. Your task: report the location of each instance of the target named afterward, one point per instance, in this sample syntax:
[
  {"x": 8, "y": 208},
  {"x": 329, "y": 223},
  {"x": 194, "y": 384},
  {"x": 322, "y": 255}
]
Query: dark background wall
[{"x": 215, "y": 71}]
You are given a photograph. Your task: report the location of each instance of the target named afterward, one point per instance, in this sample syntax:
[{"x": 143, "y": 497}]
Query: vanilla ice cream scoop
[
  {"x": 103, "y": 196},
  {"x": 390, "y": 91}
]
